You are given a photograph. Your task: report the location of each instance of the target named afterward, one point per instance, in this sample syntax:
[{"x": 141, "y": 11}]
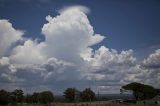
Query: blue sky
[
  {"x": 54, "y": 40},
  {"x": 127, "y": 24}
]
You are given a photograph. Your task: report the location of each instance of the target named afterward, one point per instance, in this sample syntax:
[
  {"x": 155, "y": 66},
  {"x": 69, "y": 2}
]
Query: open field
[{"x": 101, "y": 103}]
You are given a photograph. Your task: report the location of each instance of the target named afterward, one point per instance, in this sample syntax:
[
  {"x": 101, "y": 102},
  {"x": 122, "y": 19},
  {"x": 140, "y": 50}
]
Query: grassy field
[{"x": 102, "y": 103}]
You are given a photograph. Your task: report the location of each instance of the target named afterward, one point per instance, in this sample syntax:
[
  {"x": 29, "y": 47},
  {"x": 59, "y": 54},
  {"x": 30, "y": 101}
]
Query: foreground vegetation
[{"x": 74, "y": 97}]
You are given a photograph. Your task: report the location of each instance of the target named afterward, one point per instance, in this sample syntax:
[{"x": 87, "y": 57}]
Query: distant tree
[
  {"x": 141, "y": 91},
  {"x": 87, "y": 95},
  {"x": 70, "y": 94},
  {"x": 46, "y": 97},
  {"x": 4, "y": 97},
  {"x": 17, "y": 96}
]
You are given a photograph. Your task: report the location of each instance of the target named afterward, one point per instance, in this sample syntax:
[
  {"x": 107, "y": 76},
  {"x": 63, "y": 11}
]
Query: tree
[
  {"x": 17, "y": 96},
  {"x": 141, "y": 91},
  {"x": 46, "y": 97},
  {"x": 4, "y": 97},
  {"x": 70, "y": 94},
  {"x": 87, "y": 95}
]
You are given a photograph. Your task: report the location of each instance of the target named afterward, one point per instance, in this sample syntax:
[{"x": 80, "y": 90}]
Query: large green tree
[
  {"x": 87, "y": 95},
  {"x": 141, "y": 91}
]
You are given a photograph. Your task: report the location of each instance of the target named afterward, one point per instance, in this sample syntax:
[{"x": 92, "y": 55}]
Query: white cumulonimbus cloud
[
  {"x": 65, "y": 58},
  {"x": 69, "y": 34},
  {"x": 66, "y": 37}
]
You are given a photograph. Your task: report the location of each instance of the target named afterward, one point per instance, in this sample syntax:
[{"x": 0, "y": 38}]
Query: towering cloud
[
  {"x": 69, "y": 34},
  {"x": 66, "y": 37}
]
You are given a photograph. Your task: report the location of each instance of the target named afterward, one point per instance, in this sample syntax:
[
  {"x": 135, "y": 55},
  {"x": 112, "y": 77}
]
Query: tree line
[
  {"x": 44, "y": 97},
  {"x": 140, "y": 92},
  {"x": 17, "y": 96}
]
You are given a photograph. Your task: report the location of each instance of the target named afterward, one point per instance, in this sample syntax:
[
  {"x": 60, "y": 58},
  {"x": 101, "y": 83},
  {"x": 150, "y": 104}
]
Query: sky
[{"x": 56, "y": 44}]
